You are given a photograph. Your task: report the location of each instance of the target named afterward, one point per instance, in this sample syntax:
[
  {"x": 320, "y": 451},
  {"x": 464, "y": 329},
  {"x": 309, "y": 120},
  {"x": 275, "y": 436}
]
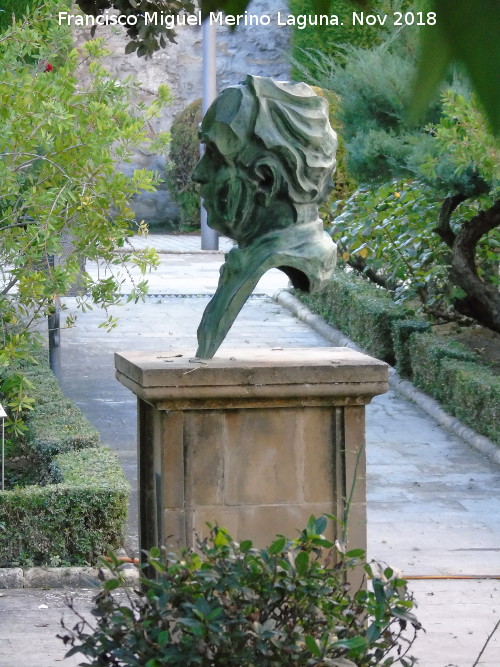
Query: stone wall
[{"x": 259, "y": 50}]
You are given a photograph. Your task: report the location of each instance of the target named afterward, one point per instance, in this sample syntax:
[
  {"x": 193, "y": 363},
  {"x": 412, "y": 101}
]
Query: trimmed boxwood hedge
[
  {"x": 72, "y": 522},
  {"x": 360, "y": 310},
  {"x": 77, "y": 508},
  {"x": 443, "y": 368},
  {"x": 401, "y": 332},
  {"x": 448, "y": 371}
]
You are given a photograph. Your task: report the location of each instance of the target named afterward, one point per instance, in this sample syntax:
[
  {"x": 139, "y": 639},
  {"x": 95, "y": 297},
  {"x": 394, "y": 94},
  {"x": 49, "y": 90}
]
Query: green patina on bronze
[{"x": 268, "y": 162}]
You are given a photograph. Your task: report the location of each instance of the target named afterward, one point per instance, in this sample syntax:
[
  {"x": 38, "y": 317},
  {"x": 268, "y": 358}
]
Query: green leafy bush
[
  {"x": 329, "y": 40},
  {"x": 233, "y": 604},
  {"x": 442, "y": 367},
  {"x": 360, "y": 310},
  {"x": 18, "y": 8},
  {"x": 74, "y": 521},
  {"x": 184, "y": 154},
  {"x": 472, "y": 393},
  {"x": 439, "y": 240},
  {"x": 402, "y": 330},
  {"x": 449, "y": 372},
  {"x": 62, "y": 198},
  {"x": 53, "y": 424},
  {"x": 66, "y": 498},
  {"x": 383, "y": 232}
]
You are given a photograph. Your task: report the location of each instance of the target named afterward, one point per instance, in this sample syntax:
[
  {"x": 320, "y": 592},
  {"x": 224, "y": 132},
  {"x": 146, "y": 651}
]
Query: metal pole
[
  {"x": 209, "y": 237},
  {"x": 3, "y": 414},
  {"x": 53, "y": 322},
  {"x": 55, "y": 340}
]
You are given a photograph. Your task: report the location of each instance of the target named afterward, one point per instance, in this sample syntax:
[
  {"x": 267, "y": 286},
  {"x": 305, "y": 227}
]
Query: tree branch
[
  {"x": 483, "y": 299},
  {"x": 443, "y": 228}
]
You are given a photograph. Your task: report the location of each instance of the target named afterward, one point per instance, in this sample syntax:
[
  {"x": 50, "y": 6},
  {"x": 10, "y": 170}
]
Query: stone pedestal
[{"x": 255, "y": 441}]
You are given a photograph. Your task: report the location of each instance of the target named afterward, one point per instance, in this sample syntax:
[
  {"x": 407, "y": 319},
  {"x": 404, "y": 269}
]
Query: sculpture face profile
[{"x": 269, "y": 159}]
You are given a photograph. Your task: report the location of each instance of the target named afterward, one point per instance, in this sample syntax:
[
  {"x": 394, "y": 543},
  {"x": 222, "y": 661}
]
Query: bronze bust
[{"x": 268, "y": 162}]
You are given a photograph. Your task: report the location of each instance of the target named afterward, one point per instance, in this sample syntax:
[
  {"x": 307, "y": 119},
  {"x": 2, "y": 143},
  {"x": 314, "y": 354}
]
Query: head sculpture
[
  {"x": 268, "y": 162},
  {"x": 269, "y": 152}
]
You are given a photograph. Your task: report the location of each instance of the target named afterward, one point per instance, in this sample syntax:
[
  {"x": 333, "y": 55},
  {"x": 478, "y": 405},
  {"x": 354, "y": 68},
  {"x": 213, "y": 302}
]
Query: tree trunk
[{"x": 482, "y": 300}]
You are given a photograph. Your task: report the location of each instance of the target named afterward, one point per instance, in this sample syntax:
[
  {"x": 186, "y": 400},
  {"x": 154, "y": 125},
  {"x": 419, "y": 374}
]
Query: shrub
[
  {"x": 443, "y": 368},
  {"x": 401, "y": 333},
  {"x": 360, "y": 310},
  {"x": 184, "y": 154},
  {"x": 326, "y": 39},
  {"x": 54, "y": 424},
  {"x": 74, "y": 521},
  {"x": 68, "y": 497},
  {"x": 426, "y": 354},
  {"x": 439, "y": 239},
  {"x": 19, "y": 8},
  {"x": 472, "y": 393},
  {"x": 232, "y": 604},
  {"x": 447, "y": 371},
  {"x": 62, "y": 198}
]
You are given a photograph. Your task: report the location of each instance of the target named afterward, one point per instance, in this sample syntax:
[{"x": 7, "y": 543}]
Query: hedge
[
  {"x": 401, "y": 332},
  {"x": 448, "y": 371},
  {"x": 71, "y": 505},
  {"x": 360, "y": 310},
  {"x": 184, "y": 154},
  {"x": 445, "y": 369},
  {"x": 55, "y": 425},
  {"x": 72, "y": 522}
]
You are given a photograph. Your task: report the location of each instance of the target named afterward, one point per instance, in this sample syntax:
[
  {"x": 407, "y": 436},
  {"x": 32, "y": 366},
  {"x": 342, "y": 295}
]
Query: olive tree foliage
[
  {"x": 61, "y": 198},
  {"x": 425, "y": 221}
]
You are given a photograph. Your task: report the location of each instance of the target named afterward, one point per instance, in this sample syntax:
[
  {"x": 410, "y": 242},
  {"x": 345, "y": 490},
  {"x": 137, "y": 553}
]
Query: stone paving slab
[
  {"x": 30, "y": 621},
  {"x": 433, "y": 502}
]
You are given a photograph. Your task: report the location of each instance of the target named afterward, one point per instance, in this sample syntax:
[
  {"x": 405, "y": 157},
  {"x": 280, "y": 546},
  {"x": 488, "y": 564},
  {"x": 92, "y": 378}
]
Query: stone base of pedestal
[{"x": 255, "y": 442}]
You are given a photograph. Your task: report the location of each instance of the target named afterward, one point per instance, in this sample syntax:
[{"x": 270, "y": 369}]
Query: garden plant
[
  {"x": 424, "y": 221},
  {"x": 66, "y": 123},
  {"x": 229, "y": 603}
]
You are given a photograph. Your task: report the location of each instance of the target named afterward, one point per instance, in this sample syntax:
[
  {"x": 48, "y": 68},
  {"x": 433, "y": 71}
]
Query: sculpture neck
[{"x": 305, "y": 213}]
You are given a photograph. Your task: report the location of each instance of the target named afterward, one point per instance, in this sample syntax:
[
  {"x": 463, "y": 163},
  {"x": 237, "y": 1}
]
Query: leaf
[
  {"x": 320, "y": 524},
  {"x": 302, "y": 563},
  {"x": 246, "y": 545},
  {"x": 356, "y": 553},
  {"x": 319, "y": 542},
  {"x": 312, "y": 646},
  {"x": 351, "y": 644},
  {"x": 277, "y": 546},
  {"x": 373, "y": 632},
  {"x": 163, "y": 638},
  {"x": 131, "y": 47},
  {"x": 221, "y": 538}
]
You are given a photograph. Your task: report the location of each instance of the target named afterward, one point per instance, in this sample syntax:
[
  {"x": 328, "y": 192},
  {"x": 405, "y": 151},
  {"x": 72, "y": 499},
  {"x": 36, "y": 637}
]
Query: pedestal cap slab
[{"x": 246, "y": 377}]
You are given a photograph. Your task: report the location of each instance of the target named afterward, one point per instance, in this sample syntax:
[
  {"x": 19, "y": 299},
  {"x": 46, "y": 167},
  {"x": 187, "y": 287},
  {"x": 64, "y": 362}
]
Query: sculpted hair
[{"x": 292, "y": 123}]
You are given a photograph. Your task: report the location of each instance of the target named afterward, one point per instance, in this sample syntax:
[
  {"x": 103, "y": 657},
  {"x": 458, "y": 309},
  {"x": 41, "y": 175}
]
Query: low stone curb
[
  {"x": 403, "y": 387},
  {"x": 60, "y": 577}
]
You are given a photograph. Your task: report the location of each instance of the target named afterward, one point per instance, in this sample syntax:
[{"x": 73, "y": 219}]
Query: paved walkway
[{"x": 433, "y": 503}]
